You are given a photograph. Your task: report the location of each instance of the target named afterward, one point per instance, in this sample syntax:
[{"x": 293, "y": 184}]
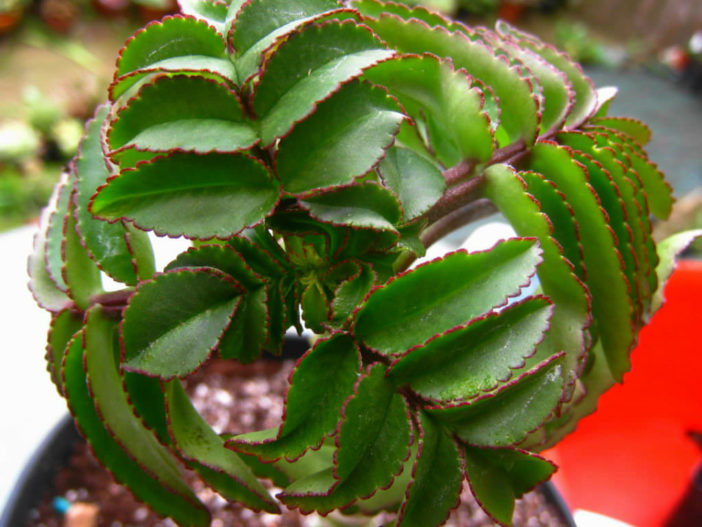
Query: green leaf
[
  {"x": 558, "y": 96},
  {"x": 585, "y": 94},
  {"x": 551, "y": 224},
  {"x": 173, "y": 322},
  {"x": 519, "y": 113},
  {"x": 608, "y": 146},
  {"x": 64, "y": 326},
  {"x": 467, "y": 361},
  {"x": 321, "y": 383},
  {"x": 550, "y": 201},
  {"x": 605, "y": 96},
  {"x": 365, "y": 205},
  {"x": 267, "y": 260},
  {"x": 222, "y": 257},
  {"x": 372, "y": 444},
  {"x": 44, "y": 288},
  {"x": 191, "y": 114},
  {"x": 611, "y": 305},
  {"x": 259, "y": 23},
  {"x": 498, "y": 476},
  {"x": 505, "y": 416},
  {"x": 103, "y": 414},
  {"x": 122, "y": 252},
  {"x": 433, "y": 92},
  {"x": 54, "y": 258},
  {"x": 634, "y": 128},
  {"x": 306, "y": 68},
  {"x": 375, "y": 8},
  {"x": 438, "y": 476},
  {"x": 617, "y": 193},
  {"x": 199, "y": 196},
  {"x": 315, "y": 307},
  {"x": 658, "y": 190},
  {"x": 213, "y": 12},
  {"x": 442, "y": 294},
  {"x": 175, "y": 44},
  {"x": 344, "y": 139},
  {"x": 350, "y": 293},
  {"x": 146, "y": 396},
  {"x": 81, "y": 274},
  {"x": 416, "y": 181},
  {"x": 221, "y": 468},
  {"x": 246, "y": 335},
  {"x": 669, "y": 249}
]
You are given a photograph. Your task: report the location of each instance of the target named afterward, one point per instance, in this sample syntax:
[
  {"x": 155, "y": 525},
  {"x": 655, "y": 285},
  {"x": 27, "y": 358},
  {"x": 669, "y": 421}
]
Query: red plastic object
[{"x": 632, "y": 460}]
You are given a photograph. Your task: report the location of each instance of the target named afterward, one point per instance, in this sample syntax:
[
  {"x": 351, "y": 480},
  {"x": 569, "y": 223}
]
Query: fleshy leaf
[
  {"x": 214, "y": 12},
  {"x": 658, "y": 190},
  {"x": 437, "y": 481},
  {"x": 372, "y": 444},
  {"x": 221, "y": 468},
  {"x": 147, "y": 398},
  {"x": 259, "y": 18},
  {"x": 222, "y": 257},
  {"x": 466, "y": 361},
  {"x": 122, "y": 252},
  {"x": 442, "y": 294},
  {"x": 350, "y": 294},
  {"x": 631, "y": 127},
  {"x": 617, "y": 194},
  {"x": 199, "y": 196},
  {"x": 162, "y": 117},
  {"x": 510, "y": 193},
  {"x": 258, "y": 319},
  {"x": 175, "y": 44},
  {"x": 376, "y": 8},
  {"x": 669, "y": 249},
  {"x": 53, "y": 248},
  {"x": 611, "y": 305},
  {"x": 365, "y": 205},
  {"x": 64, "y": 326},
  {"x": 432, "y": 91},
  {"x": 80, "y": 273},
  {"x": 322, "y": 381},
  {"x": 520, "y": 120},
  {"x": 342, "y": 140},
  {"x": 558, "y": 96},
  {"x": 245, "y": 338},
  {"x": 585, "y": 94},
  {"x": 416, "y": 181},
  {"x": 315, "y": 307},
  {"x": 44, "y": 288},
  {"x": 173, "y": 322},
  {"x": 505, "y": 416},
  {"x": 499, "y": 476},
  {"x": 307, "y": 67},
  {"x": 101, "y": 409},
  {"x": 260, "y": 23}
]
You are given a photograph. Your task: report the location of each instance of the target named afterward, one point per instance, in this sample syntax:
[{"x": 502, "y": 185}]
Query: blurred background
[{"x": 57, "y": 58}]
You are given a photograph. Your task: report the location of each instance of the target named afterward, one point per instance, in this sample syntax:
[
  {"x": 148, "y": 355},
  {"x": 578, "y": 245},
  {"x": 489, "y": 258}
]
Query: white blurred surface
[
  {"x": 30, "y": 404},
  {"x": 592, "y": 519}
]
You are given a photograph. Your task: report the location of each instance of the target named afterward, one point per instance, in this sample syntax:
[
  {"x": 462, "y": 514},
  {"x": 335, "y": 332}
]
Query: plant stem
[
  {"x": 457, "y": 172},
  {"x": 455, "y": 198},
  {"x": 473, "y": 211}
]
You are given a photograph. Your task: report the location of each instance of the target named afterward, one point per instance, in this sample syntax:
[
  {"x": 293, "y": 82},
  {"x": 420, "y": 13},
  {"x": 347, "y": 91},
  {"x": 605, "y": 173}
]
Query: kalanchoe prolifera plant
[{"x": 312, "y": 150}]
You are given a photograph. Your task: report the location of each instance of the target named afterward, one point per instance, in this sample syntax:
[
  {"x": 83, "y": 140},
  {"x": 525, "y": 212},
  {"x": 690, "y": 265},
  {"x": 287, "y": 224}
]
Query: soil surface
[{"x": 237, "y": 398}]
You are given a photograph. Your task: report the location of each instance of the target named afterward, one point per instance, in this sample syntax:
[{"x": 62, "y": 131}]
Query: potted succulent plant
[{"x": 312, "y": 150}]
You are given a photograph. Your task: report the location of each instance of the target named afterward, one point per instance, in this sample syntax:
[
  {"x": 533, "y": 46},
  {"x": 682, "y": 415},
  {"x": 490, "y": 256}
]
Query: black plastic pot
[{"x": 56, "y": 449}]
